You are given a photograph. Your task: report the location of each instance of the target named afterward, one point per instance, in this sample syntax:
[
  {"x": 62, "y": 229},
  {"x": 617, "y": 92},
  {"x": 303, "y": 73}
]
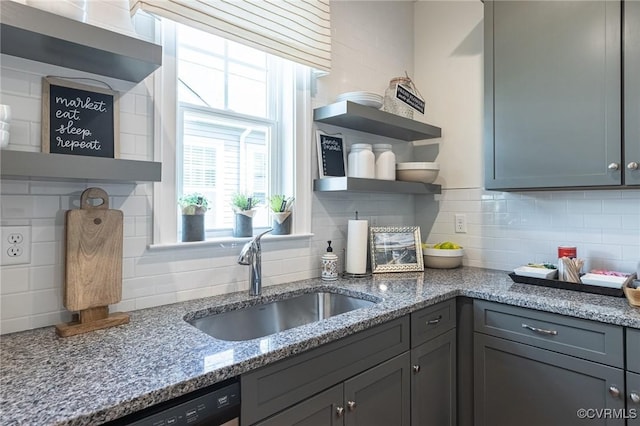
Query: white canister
[
  {"x": 385, "y": 161},
  {"x": 361, "y": 161}
]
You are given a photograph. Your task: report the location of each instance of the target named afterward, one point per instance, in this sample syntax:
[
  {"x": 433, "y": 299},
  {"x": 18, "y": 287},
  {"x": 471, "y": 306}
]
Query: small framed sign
[
  {"x": 404, "y": 95},
  {"x": 79, "y": 120},
  {"x": 332, "y": 157},
  {"x": 396, "y": 249}
]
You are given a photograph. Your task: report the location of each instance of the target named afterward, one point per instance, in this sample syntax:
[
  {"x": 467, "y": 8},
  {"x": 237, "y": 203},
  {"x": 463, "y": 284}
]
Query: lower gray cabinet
[
  {"x": 376, "y": 397},
  {"x": 519, "y": 384},
  {"x": 433, "y": 385},
  {"x": 633, "y": 399}
]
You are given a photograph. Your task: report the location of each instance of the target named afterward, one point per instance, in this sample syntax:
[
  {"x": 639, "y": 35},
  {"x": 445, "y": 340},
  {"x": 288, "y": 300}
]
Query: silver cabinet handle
[
  {"x": 613, "y": 166},
  {"x": 633, "y": 166},
  {"x": 614, "y": 391},
  {"x": 339, "y": 411},
  {"x": 416, "y": 368},
  {"x": 634, "y": 397},
  {"x": 351, "y": 405},
  {"x": 435, "y": 321},
  {"x": 540, "y": 330}
]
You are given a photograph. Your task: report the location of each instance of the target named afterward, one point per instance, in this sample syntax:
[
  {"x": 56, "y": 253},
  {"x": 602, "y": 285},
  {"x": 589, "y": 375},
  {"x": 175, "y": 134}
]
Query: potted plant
[
  {"x": 244, "y": 208},
  {"x": 280, "y": 206},
  {"x": 193, "y": 206}
]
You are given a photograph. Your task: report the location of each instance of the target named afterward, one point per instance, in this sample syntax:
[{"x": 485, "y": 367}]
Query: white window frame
[{"x": 165, "y": 193}]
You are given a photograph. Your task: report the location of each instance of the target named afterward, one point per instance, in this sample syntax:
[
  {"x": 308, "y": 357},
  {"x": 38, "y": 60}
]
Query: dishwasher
[{"x": 216, "y": 405}]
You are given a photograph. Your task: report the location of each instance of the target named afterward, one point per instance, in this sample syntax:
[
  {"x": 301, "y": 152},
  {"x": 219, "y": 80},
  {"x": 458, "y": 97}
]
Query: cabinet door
[
  {"x": 433, "y": 384},
  {"x": 552, "y": 93},
  {"x": 517, "y": 384},
  {"x": 633, "y": 399},
  {"x": 324, "y": 409},
  {"x": 632, "y": 92},
  {"x": 380, "y": 396}
]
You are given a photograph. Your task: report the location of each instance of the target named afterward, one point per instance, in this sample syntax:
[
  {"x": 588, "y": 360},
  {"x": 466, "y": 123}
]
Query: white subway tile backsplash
[{"x": 14, "y": 280}]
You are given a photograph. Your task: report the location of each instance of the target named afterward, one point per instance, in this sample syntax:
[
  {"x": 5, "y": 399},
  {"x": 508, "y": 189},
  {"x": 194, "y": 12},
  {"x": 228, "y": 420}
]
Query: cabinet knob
[
  {"x": 614, "y": 391},
  {"x": 416, "y": 368},
  {"x": 634, "y": 397},
  {"x": 613, "y": 166},
  {"x": 339, "y": 411},
  {"x": 351, "y": 405},
  {"x": 633, "y": 166}
]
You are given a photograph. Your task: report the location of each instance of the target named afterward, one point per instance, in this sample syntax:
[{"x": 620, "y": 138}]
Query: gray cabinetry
[
  {"x": 276, "y": 387},
  {"x": 433, "y": 386},
  {"x": 633, "y": 350},
  {"x": 376, "y": 397},
  {"x": 633, "y": 399},
  {"x": 632, "y": 92},
  {"x": 534, "y": 368},
  {"x": 433, "y": 364},
  {"x": 528, "y": 386},
  {"x": 553, "y": 94}
]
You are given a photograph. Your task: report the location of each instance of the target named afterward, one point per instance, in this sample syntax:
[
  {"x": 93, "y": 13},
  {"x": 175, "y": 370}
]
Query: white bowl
[
  {"x": 425, "y": 172},
  {"x": 442, "y": 258}
]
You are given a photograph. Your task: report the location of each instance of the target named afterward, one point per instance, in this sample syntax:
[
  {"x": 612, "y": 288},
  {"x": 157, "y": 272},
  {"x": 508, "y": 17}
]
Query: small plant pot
[
  {"x": 243, "y": 225},
  {"x": 281, "y": 223},
  {"x": 192, "y": 227}
]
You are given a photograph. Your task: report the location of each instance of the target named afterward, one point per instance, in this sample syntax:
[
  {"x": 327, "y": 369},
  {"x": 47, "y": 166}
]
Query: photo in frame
[
  {"x": 332, "y": 154},
  {"x": 396, "y": 249}
]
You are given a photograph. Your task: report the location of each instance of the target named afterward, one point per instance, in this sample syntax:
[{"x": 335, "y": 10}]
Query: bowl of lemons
[{"x": 444, "y": 255}]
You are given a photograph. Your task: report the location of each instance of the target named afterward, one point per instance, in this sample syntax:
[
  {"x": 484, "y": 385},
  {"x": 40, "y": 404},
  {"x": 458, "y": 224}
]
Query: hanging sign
[
  {"x": 409, "y": 98},
  {"x": 78, "y": 119}
]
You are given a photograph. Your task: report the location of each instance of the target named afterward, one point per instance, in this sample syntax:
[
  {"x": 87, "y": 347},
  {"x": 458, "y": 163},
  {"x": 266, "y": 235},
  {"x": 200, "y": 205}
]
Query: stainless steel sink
[{"x": 269, "y": 318}]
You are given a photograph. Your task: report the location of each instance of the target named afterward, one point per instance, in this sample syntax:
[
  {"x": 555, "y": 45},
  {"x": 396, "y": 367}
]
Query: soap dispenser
[{"x": 329, "y": 265}]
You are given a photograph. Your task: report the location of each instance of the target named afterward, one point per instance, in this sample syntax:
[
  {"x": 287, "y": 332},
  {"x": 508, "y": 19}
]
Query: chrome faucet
[{"x": 251, "y": 254}]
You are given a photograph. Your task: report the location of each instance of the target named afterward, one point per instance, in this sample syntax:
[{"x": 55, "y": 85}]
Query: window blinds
[{"x": 298, "y": 30}]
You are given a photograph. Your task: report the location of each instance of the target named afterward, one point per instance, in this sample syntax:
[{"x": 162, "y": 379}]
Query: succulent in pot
[
  {"x": 244, "y": 208},
  {"x": 193, "y": 203},
  {"x": 193, "y": 206},
  {"x": 280, "y": 206}
]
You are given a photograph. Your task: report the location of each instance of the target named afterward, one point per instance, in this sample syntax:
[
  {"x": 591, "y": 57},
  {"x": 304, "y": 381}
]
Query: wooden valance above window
[{"x": 298, "y": 30}]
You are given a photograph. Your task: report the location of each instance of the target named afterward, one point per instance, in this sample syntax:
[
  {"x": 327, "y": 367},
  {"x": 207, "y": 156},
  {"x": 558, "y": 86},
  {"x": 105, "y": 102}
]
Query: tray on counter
[{"x": 565, "y": 285}]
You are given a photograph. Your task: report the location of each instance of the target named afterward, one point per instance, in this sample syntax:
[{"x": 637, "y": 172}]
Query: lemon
[{"x": 447, "y": 245}]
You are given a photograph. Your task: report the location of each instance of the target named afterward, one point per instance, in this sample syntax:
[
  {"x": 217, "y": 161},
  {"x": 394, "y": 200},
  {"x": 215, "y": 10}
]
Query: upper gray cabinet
[
  {"x": 632, "y": 92},
  {"x": 34, "y": 34},
  {"x": 553, "y": 94}
]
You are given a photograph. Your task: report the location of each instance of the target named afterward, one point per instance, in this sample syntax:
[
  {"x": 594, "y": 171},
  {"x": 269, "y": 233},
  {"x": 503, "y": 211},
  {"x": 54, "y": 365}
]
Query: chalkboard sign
[
  {"x": 78, "y": 119},
  {"x": 331, "y": 155}
]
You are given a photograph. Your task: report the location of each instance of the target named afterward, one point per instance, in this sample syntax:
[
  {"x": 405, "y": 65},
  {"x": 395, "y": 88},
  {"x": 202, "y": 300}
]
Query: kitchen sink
[{"x": 269, "y": 318}]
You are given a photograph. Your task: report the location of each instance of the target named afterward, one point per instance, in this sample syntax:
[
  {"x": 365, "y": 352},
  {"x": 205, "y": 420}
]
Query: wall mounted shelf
[
  {"x": 45, "y": 166},
  {"x": 366, "y": 119},
  {"x": 373, "y": 185},
  {"x": 31, "y": 33}
]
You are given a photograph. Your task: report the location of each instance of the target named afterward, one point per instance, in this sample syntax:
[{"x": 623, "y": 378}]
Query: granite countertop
[{"x": 106, "y": 374}]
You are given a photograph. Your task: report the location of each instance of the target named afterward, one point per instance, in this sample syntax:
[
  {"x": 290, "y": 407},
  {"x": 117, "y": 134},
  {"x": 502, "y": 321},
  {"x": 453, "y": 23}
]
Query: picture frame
[
  {"x": 79, "y": 119},
  {"x": 332, "y": 154},
  {"x": 396, "y": 249}
]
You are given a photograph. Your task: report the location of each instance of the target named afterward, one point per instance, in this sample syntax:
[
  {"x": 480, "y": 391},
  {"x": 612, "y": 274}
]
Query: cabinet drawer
[
  {"x": 572, "y": 336},
  {"x": 275, "y": 387},
  {"x": 633, "y": 350},
  {"x": 432, "y": 321}
]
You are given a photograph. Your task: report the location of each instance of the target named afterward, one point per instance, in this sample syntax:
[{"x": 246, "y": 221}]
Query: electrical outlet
[
  {"x": 460, "y": 223},
  {"x": 16, "y": 245}
]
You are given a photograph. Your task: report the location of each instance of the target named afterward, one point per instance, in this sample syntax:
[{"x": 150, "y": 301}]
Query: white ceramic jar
[
  {"x": 385, "y": 161},
  {"x": 361, "y": 161}
]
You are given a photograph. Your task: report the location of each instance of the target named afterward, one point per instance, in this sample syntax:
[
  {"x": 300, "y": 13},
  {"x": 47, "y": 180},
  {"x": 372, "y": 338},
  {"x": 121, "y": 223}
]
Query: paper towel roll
[{"x": 357, "y": 246}]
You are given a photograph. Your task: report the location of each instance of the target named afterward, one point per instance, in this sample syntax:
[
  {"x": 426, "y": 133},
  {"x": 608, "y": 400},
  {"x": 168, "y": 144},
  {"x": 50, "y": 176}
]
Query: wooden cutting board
[{"x": 94, "y": 237}]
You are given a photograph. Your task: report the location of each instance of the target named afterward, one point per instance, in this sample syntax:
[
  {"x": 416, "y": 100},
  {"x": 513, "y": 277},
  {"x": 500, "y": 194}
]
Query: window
[{"x": 235, "y": 124}]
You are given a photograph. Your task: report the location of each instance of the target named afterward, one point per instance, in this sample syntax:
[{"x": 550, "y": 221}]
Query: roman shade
[{"x": 298, "y": 30}]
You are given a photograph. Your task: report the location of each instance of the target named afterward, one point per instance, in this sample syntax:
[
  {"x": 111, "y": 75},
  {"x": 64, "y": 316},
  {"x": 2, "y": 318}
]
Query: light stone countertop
[{"x": 106, "y": 374}]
